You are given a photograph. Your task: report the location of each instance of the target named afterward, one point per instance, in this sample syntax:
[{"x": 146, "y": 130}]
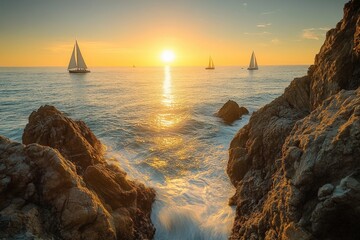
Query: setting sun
[{"x": 167, "y": 56}]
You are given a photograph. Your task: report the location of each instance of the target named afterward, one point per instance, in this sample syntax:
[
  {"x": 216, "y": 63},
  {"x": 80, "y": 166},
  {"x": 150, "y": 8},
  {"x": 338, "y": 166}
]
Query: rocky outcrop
[
  {"x": 337, "y": 66},
  {"x": 231, "y": 112},
  {"x": 294, "y": 165},
  {"x": 49, "y": 127},
  {"x": 59, "y": 190}
]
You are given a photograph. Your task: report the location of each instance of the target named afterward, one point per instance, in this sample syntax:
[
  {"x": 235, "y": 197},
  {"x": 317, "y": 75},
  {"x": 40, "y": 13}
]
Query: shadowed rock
[
  {"x": 294, "y": 165},
  {"x": 231, "y": 112},
  {"x": 45, "y": 194}
]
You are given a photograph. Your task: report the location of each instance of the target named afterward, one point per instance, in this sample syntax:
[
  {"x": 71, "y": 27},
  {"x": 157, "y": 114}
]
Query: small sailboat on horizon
[
  {"x": 211, "y": 65},
  {"x": 77, "y": 63},
  {"x": 253, "y": 63}
]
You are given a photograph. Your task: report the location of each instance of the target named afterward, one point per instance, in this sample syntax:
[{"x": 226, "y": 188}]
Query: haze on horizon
[{"x": 126, "y": 33}]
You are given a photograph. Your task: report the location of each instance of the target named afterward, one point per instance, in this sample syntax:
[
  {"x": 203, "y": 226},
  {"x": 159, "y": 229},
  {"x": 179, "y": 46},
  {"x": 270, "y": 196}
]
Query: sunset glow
[
  {"x": 42, "y": 33},
  {"x": 167, "y": 56}
]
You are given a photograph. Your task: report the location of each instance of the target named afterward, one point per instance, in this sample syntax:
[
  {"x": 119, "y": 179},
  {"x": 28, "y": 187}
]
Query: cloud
[
  {"x": 268, "y": 13},
  {"x": 258, "y": 33},
  {"x": 244, "y": 4},
  {"x": 263, "y": 25},
  {"x": 275, "y": 41},
  {"x": 314, "y": 33}
]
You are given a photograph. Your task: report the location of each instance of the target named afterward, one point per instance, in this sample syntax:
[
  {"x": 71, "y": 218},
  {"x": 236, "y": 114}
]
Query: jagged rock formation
[
  {"x": 65, "y": 188},
  {"x": 295, "y": 165},
  {"x": 231, "y": 111}
]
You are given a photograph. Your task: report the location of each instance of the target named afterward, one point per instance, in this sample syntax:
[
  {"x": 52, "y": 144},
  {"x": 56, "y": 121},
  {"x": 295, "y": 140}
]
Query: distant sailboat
[
  {"x": 211, "y": 64},
  {"x": 77, "y": 63},
  {"x": 253, "y": 63}
]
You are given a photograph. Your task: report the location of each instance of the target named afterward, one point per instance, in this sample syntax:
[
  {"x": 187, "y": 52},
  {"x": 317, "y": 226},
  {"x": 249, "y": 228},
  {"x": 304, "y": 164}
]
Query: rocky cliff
[
  {"x": 58, "y": 185},
  {"x": 296, "y": 164}
]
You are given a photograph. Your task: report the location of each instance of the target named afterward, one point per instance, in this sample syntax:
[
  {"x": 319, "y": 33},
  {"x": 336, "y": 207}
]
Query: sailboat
[
  {"x": 253, "y": 63},
  {"x": 211, "y": 64},
  {"x": 77, "y": 63}
]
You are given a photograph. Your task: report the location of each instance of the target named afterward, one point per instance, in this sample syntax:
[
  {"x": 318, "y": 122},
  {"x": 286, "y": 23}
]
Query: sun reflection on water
[
  {"x": 169, "y": 115},
  {"x": 168, "y": 98}
]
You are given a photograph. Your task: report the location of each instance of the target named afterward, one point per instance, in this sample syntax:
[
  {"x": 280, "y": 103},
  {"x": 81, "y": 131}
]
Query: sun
[{"x": 167, "y": 56}]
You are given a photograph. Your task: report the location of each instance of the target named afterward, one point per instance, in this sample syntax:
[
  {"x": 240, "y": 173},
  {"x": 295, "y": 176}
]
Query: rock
[
  {"x": 294, "y": 165},
  {"x": 231, "y": 112},
  {"x": 45, "y": 195},
  {"x": 49, "y": 127},
  {"x": 325, "y": 191},
  {"x": 259, "y": 143},
  {"x": 337, "y": 66}
]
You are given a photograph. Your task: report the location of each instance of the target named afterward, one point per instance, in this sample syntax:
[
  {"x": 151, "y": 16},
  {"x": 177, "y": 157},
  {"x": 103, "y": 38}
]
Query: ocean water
[{"x": 159, "y": 124}]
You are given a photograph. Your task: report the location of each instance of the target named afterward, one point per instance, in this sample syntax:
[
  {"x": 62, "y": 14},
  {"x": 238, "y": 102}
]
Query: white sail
[
  {"x": 72, "y": 63},
  {"x": 80, "y": 59},
  {"x": 77, "y": 63},
  {"x": 211, "y": 64},
  {"x": 253, "y": 63}
]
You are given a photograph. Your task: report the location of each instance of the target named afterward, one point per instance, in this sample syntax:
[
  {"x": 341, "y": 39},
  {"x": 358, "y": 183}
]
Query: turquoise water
[{"x": 159, "y": 123}]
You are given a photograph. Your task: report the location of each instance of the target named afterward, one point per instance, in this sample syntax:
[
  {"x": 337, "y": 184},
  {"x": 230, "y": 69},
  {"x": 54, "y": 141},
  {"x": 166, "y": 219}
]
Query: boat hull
[
  {"x": 252, "y": 68},
  {"x": 210, "y": 68},
  {"x": 79, "y": 71}
]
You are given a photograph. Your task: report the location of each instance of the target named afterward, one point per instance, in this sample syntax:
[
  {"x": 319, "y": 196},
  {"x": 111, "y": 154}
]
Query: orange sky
[{"x": 124, "y": 34}]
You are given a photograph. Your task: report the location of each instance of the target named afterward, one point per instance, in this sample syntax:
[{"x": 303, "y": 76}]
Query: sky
[{"x": 136, "y": 32}]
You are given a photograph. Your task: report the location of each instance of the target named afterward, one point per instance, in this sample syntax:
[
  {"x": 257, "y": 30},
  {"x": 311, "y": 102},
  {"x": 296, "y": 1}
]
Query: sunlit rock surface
[
  {"x": 65, "y": 188},
  {"x": 231, "y": 111},
  {"x": 295, "y": 165}
]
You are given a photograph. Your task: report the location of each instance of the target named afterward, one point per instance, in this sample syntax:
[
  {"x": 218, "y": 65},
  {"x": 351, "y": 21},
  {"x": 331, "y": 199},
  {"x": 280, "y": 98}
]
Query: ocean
[{"x": 159, "y": 124}]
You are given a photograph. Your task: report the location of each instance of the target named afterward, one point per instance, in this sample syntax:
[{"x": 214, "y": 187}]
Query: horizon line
[{"x": 143, "y": 66}]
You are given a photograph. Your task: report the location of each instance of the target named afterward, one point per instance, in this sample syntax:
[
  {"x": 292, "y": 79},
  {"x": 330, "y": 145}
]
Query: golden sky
[{"x": 126, "y": 33}]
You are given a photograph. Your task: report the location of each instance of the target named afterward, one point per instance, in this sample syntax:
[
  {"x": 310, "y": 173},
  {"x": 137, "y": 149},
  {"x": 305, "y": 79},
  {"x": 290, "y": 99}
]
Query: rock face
[
  {"x": 231, "y": 112},
  {"x": 65, "y": 188},
  {"x": 73, "y": 139},
  {"x": 295, "y": 165}
]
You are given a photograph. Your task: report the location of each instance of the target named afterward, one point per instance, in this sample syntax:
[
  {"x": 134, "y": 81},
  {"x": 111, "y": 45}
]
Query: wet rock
[
  {"x": 231, "y": 112},
  {"x": 45, "y": 194},
  {"x": 294, "y": 165}
]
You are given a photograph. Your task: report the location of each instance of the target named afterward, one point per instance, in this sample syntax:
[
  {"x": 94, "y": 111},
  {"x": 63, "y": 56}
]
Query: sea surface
[{"x": 159, "y": 124}]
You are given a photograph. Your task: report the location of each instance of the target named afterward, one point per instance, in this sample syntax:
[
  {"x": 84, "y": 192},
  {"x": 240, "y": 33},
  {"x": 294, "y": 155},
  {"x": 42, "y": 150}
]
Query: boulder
[
  {"x": 49, "y": 127},
  {"x": 65, "y": 188},
  {"x": 231, "y": 112},
  {"x": 294, "y": 165}
]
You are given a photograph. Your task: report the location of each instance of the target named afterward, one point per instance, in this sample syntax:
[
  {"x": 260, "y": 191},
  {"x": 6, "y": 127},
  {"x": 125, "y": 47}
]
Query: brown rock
[
  {"x": 337, "y": 65},
  {"x": 60, "y": 205},
  {"x": 49, "y": 127},
  {"x": 231, "y": 112},
  {"x": 111, "y": 186},
  {"x": 294, "y": 164},
  {"x": 45, "y": 195}
]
